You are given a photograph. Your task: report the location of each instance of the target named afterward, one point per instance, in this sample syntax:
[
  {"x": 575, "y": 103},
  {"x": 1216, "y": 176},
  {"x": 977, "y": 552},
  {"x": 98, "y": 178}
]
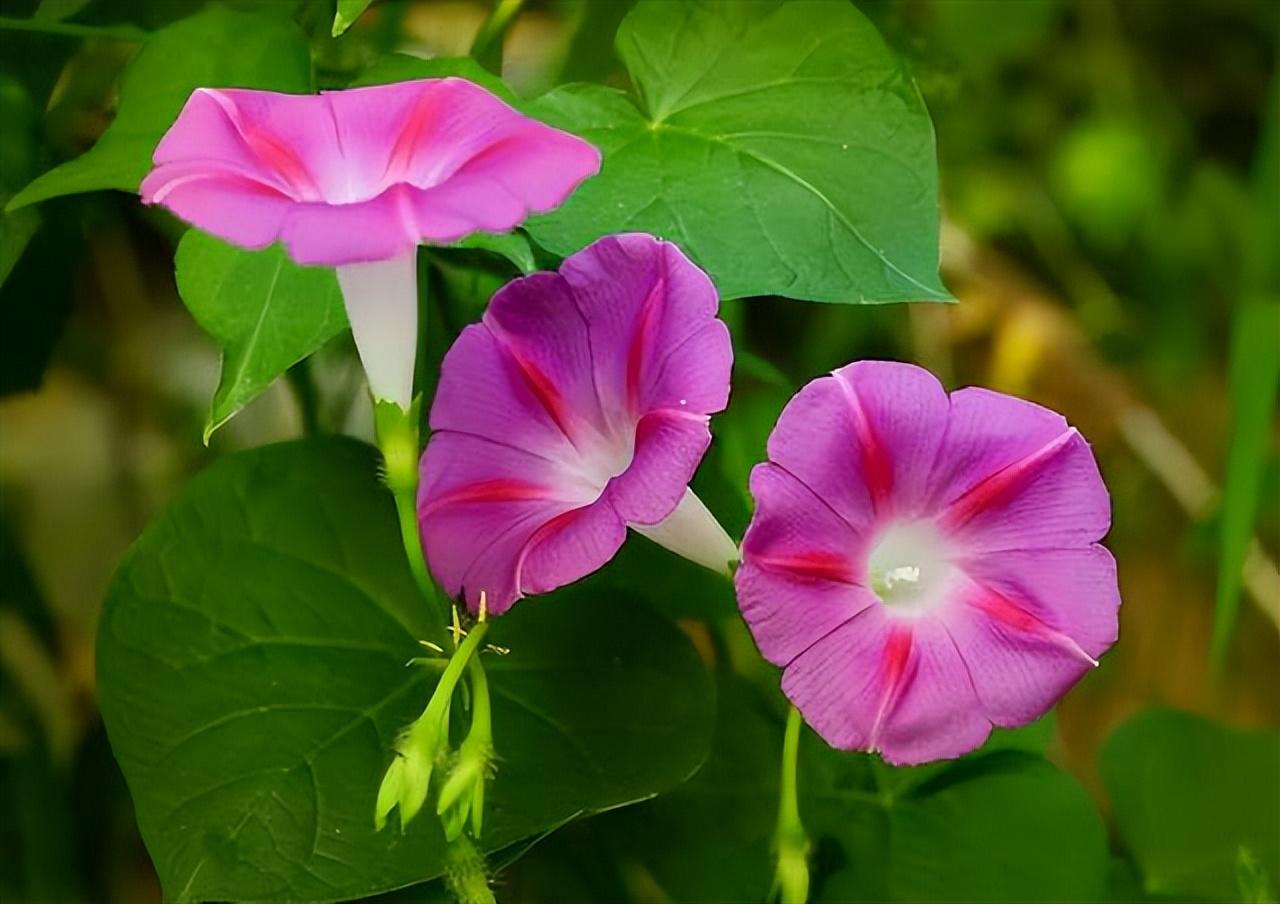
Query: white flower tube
[
  {"x": 693, "y": 532},
  {"x": 381, "y": 298}
]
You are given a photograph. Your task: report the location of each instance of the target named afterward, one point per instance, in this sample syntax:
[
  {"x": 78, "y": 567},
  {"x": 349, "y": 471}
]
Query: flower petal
[
  {"x": 1031, "y": 624},
  {"x": 479, "y": 503},
  {"x": 536, "y": 322},
  {"x": 796, "y": 582},
  {"x": 569, "y": 547},
  {"x": 668, "y": 447},
  {"x": 864, "y": 438},
  {"x": 889, "y": 684},
  {"x": 1013, "y": 475},
  {"x": 368, "y": 172},
  {"x": 642, "y": 299},
  {"x": 485, "y": 392}
]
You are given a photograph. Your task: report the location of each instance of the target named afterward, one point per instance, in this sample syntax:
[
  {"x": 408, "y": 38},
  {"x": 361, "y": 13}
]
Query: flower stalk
[
  {"x": 397, "y": 433},
  {"x": 790, "y": 843},
  {"x": 426, "y": 741}
]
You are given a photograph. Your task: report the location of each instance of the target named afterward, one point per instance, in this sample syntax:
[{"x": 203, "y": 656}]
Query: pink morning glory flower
[
  {"x": 356, "y": 179},
  {"x": 924, "y": 567},
  {"x": 577, "y": 407}
]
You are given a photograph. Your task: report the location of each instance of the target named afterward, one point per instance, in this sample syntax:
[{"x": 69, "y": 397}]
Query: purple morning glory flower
[
  {"x": 924, "y": 567},
  {"x": 577, "y": 407},
  {"x": 356, "y": 179}
]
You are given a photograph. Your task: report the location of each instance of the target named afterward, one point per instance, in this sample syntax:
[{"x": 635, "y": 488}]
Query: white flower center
[{"x": 910, "y": 567}]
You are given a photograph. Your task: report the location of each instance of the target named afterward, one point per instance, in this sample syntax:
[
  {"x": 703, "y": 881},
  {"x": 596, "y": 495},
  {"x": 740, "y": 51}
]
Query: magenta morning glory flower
[
  {"x": 922, "y": 566},
  {"x": 577, "y": 407},
  {"x": 356, "y": 179}
]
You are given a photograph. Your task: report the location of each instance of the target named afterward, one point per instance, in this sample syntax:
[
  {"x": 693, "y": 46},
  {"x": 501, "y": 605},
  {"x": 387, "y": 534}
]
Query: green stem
[
  {"x": 465, "y": 873},
  {"x": 397, "y": 433},
  {"x": 72, "y": 30},
  {"x": 791, "y": 877},
  {"x": 487, "y": 47},
  {"x": 453, "y": 672}
]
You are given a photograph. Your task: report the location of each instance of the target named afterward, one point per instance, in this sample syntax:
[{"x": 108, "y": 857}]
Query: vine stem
[
  {"x": 791, "y": 845},
  {"x": 397, "y": 433}
]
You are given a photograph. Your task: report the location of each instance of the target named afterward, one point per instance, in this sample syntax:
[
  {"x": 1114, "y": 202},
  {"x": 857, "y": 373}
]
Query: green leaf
[
  {"x": 1000, "y": 826},
  {"x": 1187, "y": 795},
  {"x": 347, "y": 13},
  {"x": 265, "y": 312},
  {"x": 217, "y": 47},
  {"x": 514, "y": 246},
  {"x": 782, "y": 145},
  {"x": 1255, "y": 371},
  {"x": 251, "y": 669}
]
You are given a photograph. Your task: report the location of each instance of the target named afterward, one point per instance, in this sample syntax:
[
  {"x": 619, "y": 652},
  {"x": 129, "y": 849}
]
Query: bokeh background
[{"x": 1111, "y": 188}]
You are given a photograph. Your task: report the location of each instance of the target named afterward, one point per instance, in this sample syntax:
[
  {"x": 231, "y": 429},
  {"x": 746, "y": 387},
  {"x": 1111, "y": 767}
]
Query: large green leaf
[
  {"x": 265, "y": 312},
  {"x": 217, "y": 47},
  {"x": 251, "y": 663},
  {"x": 782, "y": 145},
  {"x": 999, "y": 825},
  {"x": 1188, "y": 796}
]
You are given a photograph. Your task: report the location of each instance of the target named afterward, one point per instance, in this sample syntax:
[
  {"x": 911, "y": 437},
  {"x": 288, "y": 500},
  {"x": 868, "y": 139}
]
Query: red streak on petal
[
  {"x": 283, "y": 161},
  {"x": 1005, "y": 611},
  {"x": 410, "y": 134},
  {"x": 876, "y": 466},
  {"x": 894, "y": 662},
  {"x": 1001, "y": 486},
  {"x": 822, "y": 566},
  {"x": 500, "y": 490},
  {"x": 545, "y": 391},
  {"x": 642, "y": 340}
]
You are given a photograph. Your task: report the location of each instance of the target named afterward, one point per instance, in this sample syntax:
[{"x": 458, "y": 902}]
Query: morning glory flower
[
  {"x": 577, "y": 407},
  {"x": 356, "y": 179},
  {"x": 924, "y": 567}
]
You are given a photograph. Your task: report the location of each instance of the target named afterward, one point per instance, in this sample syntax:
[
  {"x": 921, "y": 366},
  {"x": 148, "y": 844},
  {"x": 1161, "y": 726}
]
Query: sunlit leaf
[{"x": 782, "y": 145}]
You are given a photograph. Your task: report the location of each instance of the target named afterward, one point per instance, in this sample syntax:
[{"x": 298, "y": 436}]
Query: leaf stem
[
  {"x": 791, "y": 845},
  {"x": 72, "y": 30}
]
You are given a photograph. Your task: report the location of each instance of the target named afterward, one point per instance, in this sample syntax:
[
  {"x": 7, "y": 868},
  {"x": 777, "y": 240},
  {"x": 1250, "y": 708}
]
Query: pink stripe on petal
[
  {"x": 877, "y": 472},
  {"x": 816, "y": 565},
  {"x": 500, "y": 490},
  {"x": 882, "y": 683},
  {"x": 1000, "y": 486},
  {"x": 642, "y": 341},
  {"x": 1010, "y": 614}
]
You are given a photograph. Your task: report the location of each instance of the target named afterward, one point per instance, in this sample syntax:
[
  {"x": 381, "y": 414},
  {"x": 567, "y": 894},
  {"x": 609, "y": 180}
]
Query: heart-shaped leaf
[
  {"x": 252, "y": 676},
  {"x": 782, "y": 145}
]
